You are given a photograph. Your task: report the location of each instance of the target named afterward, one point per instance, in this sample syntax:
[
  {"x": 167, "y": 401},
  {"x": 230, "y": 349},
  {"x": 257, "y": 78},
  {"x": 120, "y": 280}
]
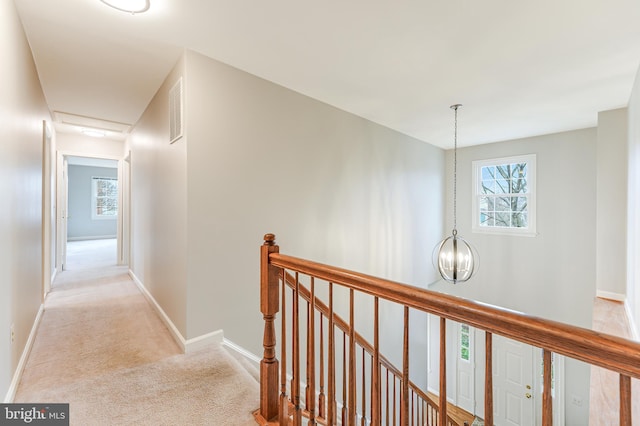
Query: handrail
[
  {"x": 360, "y": 340},
  {"x": 610, "y": 352}
]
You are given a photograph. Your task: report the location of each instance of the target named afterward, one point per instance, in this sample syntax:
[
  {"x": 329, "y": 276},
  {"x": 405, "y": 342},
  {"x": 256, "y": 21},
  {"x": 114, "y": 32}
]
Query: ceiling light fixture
[
  {"x": 94, "y": 133},
  {"x": 455, "y": 258},
  {"x": 130, "y": 6}
]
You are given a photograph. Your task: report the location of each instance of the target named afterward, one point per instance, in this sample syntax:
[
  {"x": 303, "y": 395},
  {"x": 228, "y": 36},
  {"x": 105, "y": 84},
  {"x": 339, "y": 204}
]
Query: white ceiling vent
[{"x": 175, "y": 111}]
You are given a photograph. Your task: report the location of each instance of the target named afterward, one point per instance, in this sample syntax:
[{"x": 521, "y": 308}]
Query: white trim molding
[
  {"x": 173, "y": 330},
  {"x": 193, "y": 344},
  {"x": 250, "y": 356},
  {"x": 17, "y": 376},
  {"x": 611, "y": 296},
  {"x": 185, "y": 345}
]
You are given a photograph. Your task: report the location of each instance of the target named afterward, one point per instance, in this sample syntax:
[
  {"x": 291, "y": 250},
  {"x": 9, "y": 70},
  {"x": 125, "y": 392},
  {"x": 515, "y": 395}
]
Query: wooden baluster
[
  {"x": 284, "y": 403},
  {"x": 386, "y": 409},
  {"x": 395, "y": 413},
  {"x": 307, "y": 393},
  {"x": 331, "y": 409},
  {"x": 625, "y": 400},
  {"x": 269, "y": 366},
  {"x": 547, "y": 409},
  {"x": 375, "y": 368},
  {"x": 488, "y": 380},
  {"x": 363, "y": 419},
  {"x": 311, "y": 356},
  {"x": 295, "y": 357},
  {"x": 352, "y": 360},
  {"x": 344, "y": 378},
  {"x": 321, "y": 398},
  {"x": 443, "y": 370},
  {"x": 404, "y": 394},
  {"x": 412, "y": 409}
]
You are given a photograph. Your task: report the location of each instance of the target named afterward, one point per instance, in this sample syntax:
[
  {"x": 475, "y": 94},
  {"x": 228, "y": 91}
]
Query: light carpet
[{"x": 103, "y": 349}]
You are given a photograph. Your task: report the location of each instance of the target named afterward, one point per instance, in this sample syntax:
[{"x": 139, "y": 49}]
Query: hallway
[{"x": 102, "y": 348}]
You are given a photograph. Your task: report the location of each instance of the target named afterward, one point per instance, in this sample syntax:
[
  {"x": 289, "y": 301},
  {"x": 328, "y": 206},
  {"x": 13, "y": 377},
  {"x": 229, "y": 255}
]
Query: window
[
  {"x": 504, "y": 195},
  {"x": 104, "y": 198},
  {"x": 465, "y": 342}
]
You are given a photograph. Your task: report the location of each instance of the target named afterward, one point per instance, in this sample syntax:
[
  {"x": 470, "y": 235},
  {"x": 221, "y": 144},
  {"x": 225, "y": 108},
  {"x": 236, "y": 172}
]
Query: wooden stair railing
[
  {"x": 396, "y": 400},
  {"x": 419, "y": 397}
]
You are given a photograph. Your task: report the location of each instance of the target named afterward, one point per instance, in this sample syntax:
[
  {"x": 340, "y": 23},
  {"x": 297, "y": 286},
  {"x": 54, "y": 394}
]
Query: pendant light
[{"x": 454, "y": 257}]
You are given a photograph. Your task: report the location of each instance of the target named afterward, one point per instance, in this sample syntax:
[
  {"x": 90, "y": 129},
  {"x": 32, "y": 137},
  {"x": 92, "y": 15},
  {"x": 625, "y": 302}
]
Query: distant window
[
  {"x": 504, "y": 195},
  {"x": 104, "y": 198},
  {"x": 465, "y": 343}
]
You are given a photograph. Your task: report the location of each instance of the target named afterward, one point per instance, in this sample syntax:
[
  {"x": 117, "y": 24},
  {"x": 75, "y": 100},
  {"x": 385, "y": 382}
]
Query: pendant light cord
[{"x": 455, "y": 169}]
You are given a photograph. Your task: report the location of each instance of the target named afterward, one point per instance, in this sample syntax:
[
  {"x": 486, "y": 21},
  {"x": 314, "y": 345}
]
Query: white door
[
  {"x": 465, "y": 374},
  {"x": 513, "y": 393}
]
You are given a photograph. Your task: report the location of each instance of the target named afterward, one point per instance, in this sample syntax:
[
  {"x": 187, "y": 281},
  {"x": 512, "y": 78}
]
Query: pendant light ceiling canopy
[
  {"x": 454, "y": 257},
  {"x": 130, "y": 6}
]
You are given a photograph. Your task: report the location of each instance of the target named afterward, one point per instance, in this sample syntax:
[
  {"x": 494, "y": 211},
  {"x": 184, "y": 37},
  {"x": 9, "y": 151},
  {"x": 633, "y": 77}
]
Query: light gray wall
[
  {"x": 23, "y": 110},
  {"x": 159, "y": 206},
  {"x": 80, "y": 225},
  {"x": 633, "y": 212},
  {"x": 332, "y": 186},
  {"x": 611, "y": 215},
  {"x": 261, "y": 158},
  {"x": 551, "y": 275}
]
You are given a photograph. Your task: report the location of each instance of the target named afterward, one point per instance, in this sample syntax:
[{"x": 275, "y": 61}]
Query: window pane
[
  {"x": 503, "y": 171},
  {"x": 519, "y": 170},
  {"x": 464, "y": 340},
  {"x": 488, "y": 186},
  {"x": 519, "y": 204},
  {"x": 464, "y": 354},
  {"x": 487, "y": 204},
  {"x": 519, "y": 220},
  {"x": 487, "y": 219},
  {"x": 503, "y": 186},
  {"x": 488, "y": 173},
  {"x": 503, "y": 204},
  {"x": 503, "y": 219}
]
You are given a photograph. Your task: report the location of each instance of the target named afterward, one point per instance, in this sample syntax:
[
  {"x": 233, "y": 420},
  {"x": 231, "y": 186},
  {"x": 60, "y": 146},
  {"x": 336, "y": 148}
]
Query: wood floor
[{"x": 610, "y": 317}]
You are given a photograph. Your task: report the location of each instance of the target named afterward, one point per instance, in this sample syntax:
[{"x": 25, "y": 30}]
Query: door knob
[{"x": 528, "y": 395}]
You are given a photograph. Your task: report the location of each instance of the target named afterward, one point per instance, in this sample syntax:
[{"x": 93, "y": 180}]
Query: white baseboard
[
  {"x": 17, "y": 376},
  {"x": 611, "y": 296},
  {"x": 200, "y": 342},
  {"x": 93, "y": 237},
  {"x": 249, "y": 356},
  {"x": 187, "y": 346},
  {"x": 177, "y": 336}
]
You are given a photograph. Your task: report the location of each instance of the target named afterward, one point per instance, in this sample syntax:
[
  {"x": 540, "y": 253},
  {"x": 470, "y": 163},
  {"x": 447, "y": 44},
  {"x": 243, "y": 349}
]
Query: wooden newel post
[{"x": 269, "y": 306}]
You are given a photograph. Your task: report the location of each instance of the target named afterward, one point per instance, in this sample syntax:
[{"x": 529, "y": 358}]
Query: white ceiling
[{"x": 519, "y": 68}]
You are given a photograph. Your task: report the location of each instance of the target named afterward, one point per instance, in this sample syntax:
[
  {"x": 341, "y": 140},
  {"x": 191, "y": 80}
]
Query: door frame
[
  {"x": 62, "y": 183},
  {"x": 49, "y": 227}
]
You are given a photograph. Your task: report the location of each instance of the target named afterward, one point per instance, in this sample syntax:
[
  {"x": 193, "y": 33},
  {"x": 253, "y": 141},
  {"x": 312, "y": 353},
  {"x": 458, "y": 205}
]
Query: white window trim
[
  {"x": 94, "y": 215},
  {"x": 530, "y": 230}
]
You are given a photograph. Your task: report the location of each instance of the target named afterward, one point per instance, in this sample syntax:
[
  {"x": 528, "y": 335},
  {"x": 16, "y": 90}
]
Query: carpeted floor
[{"x": 102, "y": 348}]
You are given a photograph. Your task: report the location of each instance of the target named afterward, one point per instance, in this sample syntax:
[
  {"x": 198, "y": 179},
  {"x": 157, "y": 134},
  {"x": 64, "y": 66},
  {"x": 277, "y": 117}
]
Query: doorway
[{"x": 90, "y": 193}]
